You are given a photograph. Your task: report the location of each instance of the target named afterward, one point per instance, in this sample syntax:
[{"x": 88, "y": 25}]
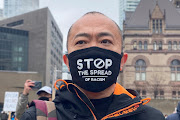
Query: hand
[{"x": 27, "y": 86}]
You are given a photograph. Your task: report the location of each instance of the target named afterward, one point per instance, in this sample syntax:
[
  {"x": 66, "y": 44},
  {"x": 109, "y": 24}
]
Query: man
[
  {"x": 176, "y": 115},
  {"x": 94, "y": 59},
  {"x": 45, "y": 93}
]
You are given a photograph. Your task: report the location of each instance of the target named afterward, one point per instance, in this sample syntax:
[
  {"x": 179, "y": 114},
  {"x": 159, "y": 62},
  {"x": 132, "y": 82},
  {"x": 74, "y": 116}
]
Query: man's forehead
[{"x": 93, "y": 19}]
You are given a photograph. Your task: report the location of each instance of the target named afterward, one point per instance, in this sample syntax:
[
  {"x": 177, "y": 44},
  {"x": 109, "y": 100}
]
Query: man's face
[{"x": 94, "y": 30}]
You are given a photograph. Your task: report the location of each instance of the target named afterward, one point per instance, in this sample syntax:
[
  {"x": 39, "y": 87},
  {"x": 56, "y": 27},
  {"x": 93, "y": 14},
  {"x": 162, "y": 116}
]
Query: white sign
[{"x": 10, "y": 101}]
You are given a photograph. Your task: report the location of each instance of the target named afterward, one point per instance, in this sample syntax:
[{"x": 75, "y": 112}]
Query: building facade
[
  {"x": 131, "y": 5},
  {"x": 122, "y": 8},
  {"x": 13, "y": 49},
  {"x": 152, "y": 41},
  {"x": 1, "y": 14},
  {"x": 45, "y": 42},
  {"x": 17, "y": 7}
]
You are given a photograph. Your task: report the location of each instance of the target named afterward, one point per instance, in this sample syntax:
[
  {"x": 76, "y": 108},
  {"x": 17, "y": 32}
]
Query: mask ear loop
[
  {"x": 61, "y": 85},
  {"x": 122, "y": 54},
  {"x": 146, "y": 100}
]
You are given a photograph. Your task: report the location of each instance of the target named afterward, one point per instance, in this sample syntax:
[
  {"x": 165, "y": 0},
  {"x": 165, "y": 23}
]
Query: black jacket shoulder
[
  {"x": 29, "y": 114},
  {"x": 150, "y": 113}
]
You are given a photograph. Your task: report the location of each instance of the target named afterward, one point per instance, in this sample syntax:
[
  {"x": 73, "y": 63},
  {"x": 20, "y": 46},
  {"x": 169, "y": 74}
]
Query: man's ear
[
  {"x": 123, "y": 60},
  {"x": 66, "y": 61}
]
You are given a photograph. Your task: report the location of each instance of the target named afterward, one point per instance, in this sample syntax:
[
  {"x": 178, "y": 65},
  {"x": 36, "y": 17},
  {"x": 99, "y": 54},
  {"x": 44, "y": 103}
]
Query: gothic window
[
  {"x": 160, "y": 45},
  {"x": 161, "y": 94},
  {"x": 155, "y": 45},
  {"x": 178, "y": 94},
  {"x": 155, "y": 94},
  {"x": 157, "y": 26},
  {"x": 169, "y": 45},
  {"x": 140, "y": 67},
  {"x": 144, "y": 94},
  {"x": 140, "y": 45},
  {"x": 177, "y": 4},
  {"x": 160, "y": 26},
  {"x": 139, "y": 91},
  {"x": 175, "y": 70},
  {"x": 174, "y": 94},
  {"x": 154, "y": 26},
  {"x": 145, "y": 45},
  {"x": 174, "y": 45},
  {"x": 135, "y": 45}
]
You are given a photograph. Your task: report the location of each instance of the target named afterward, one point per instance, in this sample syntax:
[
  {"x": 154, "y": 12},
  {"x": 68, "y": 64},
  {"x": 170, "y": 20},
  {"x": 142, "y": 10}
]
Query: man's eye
[
  {"x": 80, "y": 42},
  {"x": 106, "y": 42}
]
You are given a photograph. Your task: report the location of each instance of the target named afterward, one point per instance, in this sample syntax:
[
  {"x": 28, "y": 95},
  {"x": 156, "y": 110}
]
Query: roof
[
  {"x": 128, "y": 15},
  {"x": 140, "y": 18}
]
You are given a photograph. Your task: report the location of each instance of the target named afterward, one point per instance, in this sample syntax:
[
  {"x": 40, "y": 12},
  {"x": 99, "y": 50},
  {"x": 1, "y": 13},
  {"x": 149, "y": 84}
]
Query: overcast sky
[{"x": 66, "y": 12}]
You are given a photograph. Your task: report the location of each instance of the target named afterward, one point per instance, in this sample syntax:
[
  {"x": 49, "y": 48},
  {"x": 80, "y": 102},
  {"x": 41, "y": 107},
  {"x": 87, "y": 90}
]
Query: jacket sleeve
[
  {"x": 21, "y": 105},
  {"x": 174, "y": 116},
  {"x": 29, "y": 114},
  {"x": 150, "y": 113}
]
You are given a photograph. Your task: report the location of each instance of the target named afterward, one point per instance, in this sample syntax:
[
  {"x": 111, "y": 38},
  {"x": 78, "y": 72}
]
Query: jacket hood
[{"x": 70, "y": 100}]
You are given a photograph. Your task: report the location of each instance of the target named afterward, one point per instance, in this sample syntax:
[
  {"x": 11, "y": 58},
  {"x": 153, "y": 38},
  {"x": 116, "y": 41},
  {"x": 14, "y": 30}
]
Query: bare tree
[{"x": 157, "y": 82}]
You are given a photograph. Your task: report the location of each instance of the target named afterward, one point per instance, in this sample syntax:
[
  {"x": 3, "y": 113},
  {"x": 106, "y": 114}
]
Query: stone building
[{"x": 152, "y": 41}]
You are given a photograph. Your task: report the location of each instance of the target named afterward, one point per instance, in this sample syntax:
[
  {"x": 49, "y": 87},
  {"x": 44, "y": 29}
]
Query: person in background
[
  {"x": 3, "y": 115},
  {"x": 44, "y": 93},
  {"x": 12, "y": 116},
  {"x": 175, "y": 115},
  {"x": 165, "y": 115}
]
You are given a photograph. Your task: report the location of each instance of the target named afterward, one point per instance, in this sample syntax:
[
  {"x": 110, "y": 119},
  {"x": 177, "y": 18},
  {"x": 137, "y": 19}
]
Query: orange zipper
[{"x": 85, "y": 104}]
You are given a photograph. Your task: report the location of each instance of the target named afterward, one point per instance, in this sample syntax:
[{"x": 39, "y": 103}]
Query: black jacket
[
  {"x": 72, "y": 104},
  {"x": 29, "y": 114},
  {"x": 175, "y": 116},
  {"x": 3, "y": 116}
]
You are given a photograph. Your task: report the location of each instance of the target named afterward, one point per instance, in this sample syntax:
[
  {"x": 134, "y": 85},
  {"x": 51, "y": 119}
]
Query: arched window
[
  {"x": 145, "y": 45},
  {"x": 174, "y": 45},
  {"x": 135, "y": 45},
  {"x": 155, "y": 45},
  {"x": 140, "y": 45},
  {"x": 169, "y": 45},
  {"x": 140, "y": 69},
  {"x": 175, "y": 70},
  {"x": 160, "y": 45}
]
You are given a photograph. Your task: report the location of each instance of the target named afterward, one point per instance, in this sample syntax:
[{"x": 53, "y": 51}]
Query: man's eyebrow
[
  {"x": 102, "y": 34},
  {"x": 82, "y": 35}
]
